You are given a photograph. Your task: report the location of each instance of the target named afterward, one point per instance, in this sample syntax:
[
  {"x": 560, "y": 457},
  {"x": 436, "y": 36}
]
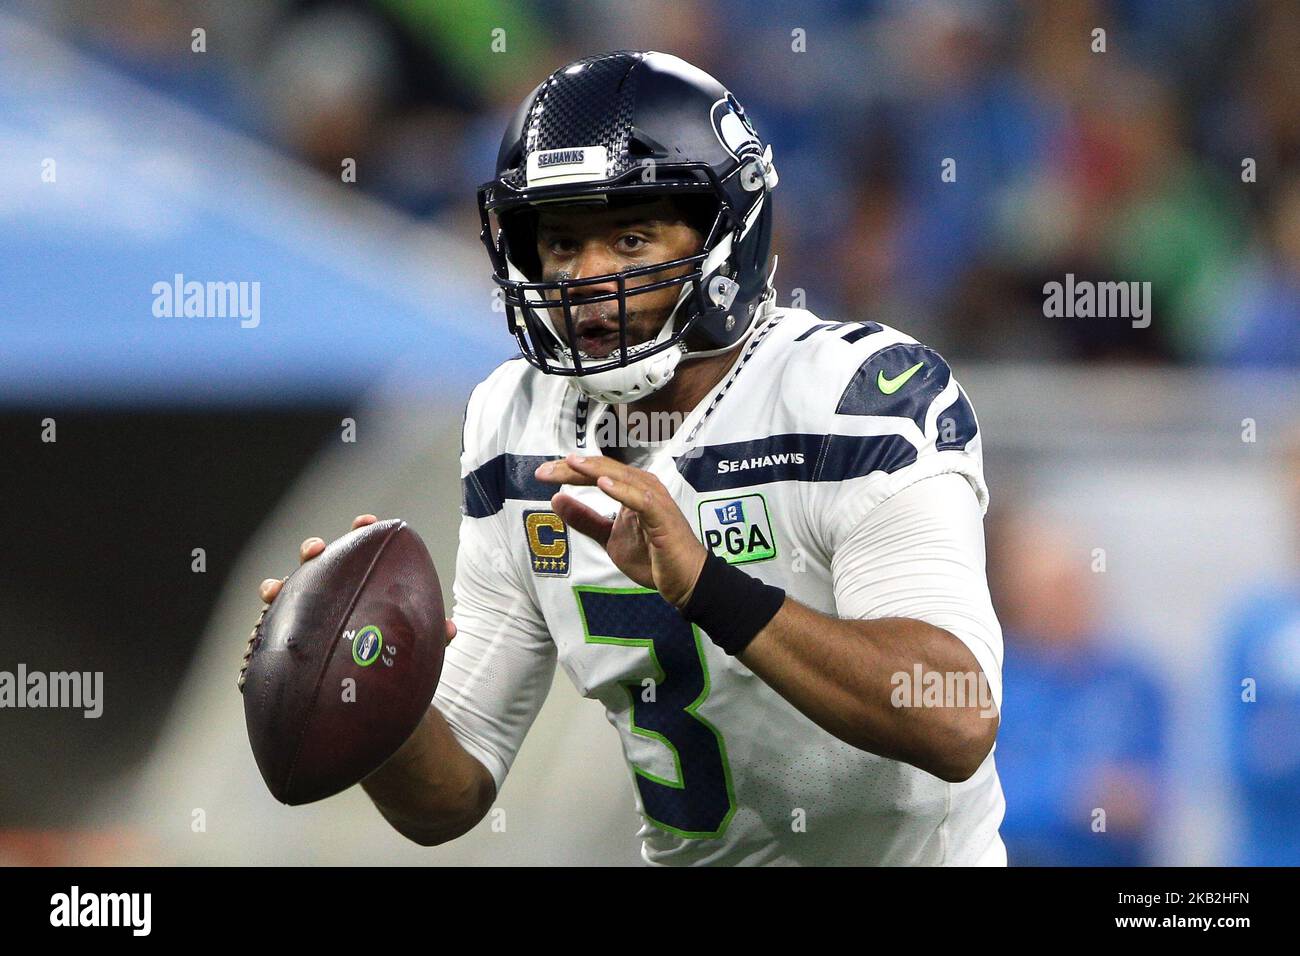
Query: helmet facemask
[{"x": 541, "y": 312}]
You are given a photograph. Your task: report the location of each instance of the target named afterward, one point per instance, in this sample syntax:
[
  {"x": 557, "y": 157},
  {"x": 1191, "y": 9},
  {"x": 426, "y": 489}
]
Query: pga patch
[
  {"x": 548, "y": 543},
  {"x": 738, "y": 530}
]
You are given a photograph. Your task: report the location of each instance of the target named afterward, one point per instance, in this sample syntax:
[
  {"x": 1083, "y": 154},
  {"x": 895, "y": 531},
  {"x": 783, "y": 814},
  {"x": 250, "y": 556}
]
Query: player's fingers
[
  {"x": 639, "y": 499},
  {"x": 269, "y": 588},
  {"x": 597, "y": 465},
  {"x": 451, "y": 630},
  {"x": 360, "y": 521},
  {"x": 310, "y": 548},
  {"x": 560, "y": 472},
  {"x": 577, "y": 469},
  {"x": 582, "y": 519}
]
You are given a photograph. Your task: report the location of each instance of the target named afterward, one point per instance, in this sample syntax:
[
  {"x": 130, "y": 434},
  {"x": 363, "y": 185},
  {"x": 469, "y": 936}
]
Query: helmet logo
[{"x": 735, "y": 131}]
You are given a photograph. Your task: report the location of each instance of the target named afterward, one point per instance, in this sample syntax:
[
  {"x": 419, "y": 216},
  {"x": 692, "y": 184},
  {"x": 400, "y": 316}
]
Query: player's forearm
[
  {"x": 432, "y": 790},
  {"x": 842, "y": 673}
]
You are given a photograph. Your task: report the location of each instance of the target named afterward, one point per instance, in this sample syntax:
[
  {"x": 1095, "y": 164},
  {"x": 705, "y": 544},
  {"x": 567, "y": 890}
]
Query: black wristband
[{"x": 730, "y": 605}]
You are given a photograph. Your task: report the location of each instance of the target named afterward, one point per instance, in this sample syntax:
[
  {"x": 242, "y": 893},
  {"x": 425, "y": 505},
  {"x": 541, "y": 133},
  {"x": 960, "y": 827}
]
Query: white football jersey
[{"x": 780, "y": 469}]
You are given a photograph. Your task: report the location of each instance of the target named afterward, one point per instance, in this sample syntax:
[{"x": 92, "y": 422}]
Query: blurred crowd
[
  {"x": 1085, "y": 753},
  {"x": 1083, "y": 745},
  {"x": 1115, "y": 157}
]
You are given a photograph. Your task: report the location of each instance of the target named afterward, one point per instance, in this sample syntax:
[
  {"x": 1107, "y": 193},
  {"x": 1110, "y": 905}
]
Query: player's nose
[{"x": 595, "y": 261}]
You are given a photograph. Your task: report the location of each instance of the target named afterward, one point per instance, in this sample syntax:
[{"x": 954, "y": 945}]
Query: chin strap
[{"x": 762, "y": 312}]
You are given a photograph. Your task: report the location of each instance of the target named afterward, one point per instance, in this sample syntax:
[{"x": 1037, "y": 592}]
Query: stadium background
[{"x": 1146, "y": 499}]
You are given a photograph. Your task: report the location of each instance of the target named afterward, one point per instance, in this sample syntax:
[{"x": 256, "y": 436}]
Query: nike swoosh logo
[{"x": 890, "y": 385}]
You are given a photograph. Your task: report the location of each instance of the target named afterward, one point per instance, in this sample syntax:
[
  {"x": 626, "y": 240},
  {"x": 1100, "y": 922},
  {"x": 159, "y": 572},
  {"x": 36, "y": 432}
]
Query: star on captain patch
[{"x": 548, "y": 543}]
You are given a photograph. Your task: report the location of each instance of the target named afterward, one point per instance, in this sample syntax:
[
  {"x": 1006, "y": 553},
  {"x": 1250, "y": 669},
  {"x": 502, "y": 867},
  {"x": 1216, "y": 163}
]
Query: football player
[{"x": 754, "y": 536}]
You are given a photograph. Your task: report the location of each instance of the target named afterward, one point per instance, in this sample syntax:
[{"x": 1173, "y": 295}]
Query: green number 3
[{"x": 699, "y": 803}]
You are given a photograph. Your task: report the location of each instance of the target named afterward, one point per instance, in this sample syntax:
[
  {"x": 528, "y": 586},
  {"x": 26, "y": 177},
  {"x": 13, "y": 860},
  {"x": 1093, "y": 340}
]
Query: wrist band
[{"x": 730, "y": 605}]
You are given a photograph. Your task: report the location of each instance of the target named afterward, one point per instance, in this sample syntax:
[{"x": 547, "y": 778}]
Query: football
[{"x": 344, "y": 663}]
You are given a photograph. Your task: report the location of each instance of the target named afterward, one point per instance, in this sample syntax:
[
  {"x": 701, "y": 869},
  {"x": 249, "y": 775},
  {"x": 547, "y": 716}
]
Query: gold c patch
[{"x": 548, "y": 543}]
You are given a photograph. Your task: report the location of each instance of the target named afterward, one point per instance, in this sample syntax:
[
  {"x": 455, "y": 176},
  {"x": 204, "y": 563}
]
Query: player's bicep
[
  {"x": 920, "y": 555},
  {"x": 499, "y": 669}
]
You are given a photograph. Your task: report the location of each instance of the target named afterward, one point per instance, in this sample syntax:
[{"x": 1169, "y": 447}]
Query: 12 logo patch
[{"x": 738, "y": 530}]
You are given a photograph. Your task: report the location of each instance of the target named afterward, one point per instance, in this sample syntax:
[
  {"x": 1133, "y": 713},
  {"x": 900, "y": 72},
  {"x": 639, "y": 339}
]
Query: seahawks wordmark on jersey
[{"x": 814, "y": 426}]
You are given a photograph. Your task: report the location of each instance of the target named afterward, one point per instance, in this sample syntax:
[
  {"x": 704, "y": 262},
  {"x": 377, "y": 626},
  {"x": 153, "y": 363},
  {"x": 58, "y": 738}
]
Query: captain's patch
[{"x": 548, "y": 543}]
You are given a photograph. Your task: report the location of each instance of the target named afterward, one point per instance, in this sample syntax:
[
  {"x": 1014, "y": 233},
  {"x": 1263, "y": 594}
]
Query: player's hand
[
  {"x": 650, "y": 540},
  {"x": 312, "y": 547}
]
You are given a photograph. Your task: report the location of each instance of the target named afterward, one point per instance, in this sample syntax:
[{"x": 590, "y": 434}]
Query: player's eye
[
  {"x": 561, "y": 246},
  {"x": 632, "y": 242}
]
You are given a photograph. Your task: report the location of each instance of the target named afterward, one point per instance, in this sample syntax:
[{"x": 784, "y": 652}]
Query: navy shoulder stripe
[
  {"x": 900, "y": 380},
  {"x": 818, "y": 328},
  {"x": 859, "y": 330},
  {"x": 956, "y": 424},
  {"x": 862, "y": 331},
  {"x": 485, "y": 489},
  {"x": 793, "y": 457}
]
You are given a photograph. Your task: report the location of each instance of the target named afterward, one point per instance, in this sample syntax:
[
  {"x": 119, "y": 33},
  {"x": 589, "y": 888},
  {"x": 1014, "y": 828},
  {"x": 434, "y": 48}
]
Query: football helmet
[{"x": 617, "y": 127}]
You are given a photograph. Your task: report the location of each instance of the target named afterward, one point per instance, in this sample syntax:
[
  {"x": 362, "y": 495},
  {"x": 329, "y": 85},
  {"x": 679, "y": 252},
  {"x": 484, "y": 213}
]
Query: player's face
[{"x": 578, "y": 242}]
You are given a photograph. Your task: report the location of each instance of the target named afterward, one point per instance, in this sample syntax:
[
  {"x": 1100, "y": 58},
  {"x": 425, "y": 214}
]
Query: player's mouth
[{"x": 597, "y": 338}]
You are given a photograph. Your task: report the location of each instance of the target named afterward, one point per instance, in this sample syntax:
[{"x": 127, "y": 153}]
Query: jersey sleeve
[
  {"x": 920, "y": 555},
  {"x": 497, "y": 672},
  {"x": 889, "y": 417}
]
